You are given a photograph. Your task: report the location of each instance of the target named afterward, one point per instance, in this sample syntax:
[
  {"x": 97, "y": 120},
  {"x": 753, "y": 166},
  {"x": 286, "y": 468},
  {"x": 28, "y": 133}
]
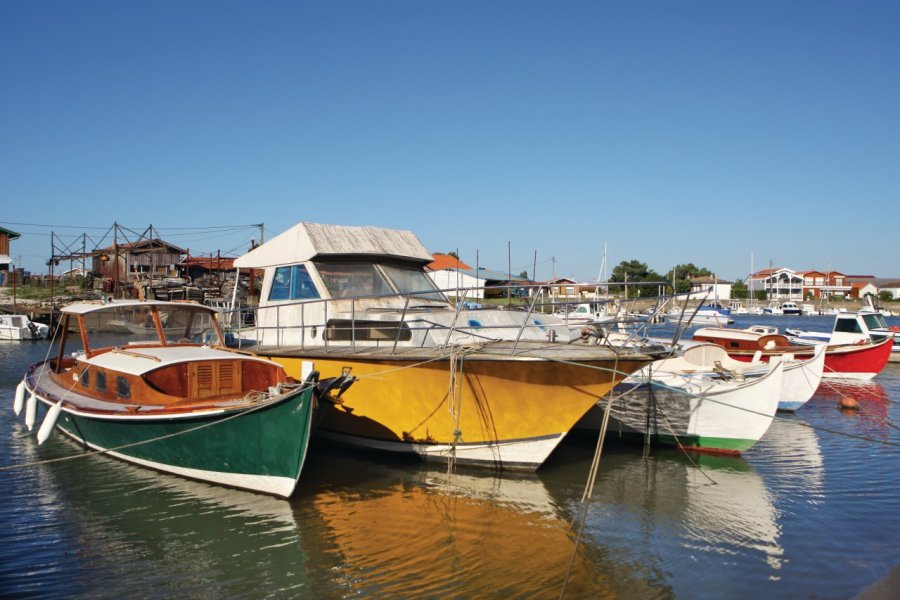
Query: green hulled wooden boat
[{"x": 179, "y": 401}]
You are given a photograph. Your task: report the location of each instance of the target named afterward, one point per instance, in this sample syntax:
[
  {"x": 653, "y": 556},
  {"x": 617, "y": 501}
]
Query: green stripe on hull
[
  {"x": 270, "y": 441},
  {"x": 709, "y": 444}
]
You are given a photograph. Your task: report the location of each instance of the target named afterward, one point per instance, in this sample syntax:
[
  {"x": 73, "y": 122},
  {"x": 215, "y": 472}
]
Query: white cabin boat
[
  {"x": 782, "y": 308},
  {"x": 20, "y": 327}
]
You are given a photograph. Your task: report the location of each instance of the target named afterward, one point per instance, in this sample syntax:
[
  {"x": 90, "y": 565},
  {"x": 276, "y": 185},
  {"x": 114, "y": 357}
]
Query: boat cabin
[
  {"x": 326, "y": 284},
  {"x": 851, "y": 327}
]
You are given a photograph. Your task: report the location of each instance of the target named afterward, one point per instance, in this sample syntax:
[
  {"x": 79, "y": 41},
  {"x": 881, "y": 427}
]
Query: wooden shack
[
  {"x": 6, "y": 236},
  {"x": 143, "y": 258}
]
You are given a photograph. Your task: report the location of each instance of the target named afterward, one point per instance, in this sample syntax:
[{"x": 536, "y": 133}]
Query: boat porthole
[
  {"x": 474, "y": 324},
  {"x": 540, "y": 325}
]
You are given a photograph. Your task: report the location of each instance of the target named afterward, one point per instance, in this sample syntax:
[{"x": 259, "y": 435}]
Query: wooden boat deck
[{"x": 48, "y": 388}]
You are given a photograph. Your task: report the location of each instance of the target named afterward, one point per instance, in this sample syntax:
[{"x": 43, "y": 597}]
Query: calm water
[{"x": 805, "y": 513}]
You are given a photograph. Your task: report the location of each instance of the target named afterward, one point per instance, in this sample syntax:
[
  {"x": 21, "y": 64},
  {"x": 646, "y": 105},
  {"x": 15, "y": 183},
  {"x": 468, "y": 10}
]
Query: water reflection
[
  {"x": 162, "y": 534},
  {"x": 664, "y": 516},
  {"x": 418, "y": 531}
]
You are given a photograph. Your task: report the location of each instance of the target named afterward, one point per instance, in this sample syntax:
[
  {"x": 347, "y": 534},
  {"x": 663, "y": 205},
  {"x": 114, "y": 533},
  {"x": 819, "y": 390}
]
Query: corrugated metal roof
[
  {"x": 221, "y": 263},
  {"x": 490, "y": 274}
]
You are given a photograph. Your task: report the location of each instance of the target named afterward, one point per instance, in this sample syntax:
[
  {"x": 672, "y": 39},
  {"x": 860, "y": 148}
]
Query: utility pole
[
  {"x": 14, "y": 274},
  {"x": 509, "y": 271},
  {"x": 52, "y": 257},
  {"x": 116, "y": 258}
]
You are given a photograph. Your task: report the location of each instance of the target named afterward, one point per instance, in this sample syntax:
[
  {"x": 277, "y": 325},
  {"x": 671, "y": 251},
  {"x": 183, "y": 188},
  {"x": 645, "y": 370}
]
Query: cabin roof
[
  {"x": 81, "y": 308},
  {"x": 153, "y": 358},
  {"x": 306, "y": 241}
]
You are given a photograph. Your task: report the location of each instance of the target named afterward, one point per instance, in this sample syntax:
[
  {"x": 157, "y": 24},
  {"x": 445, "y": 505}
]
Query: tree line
[{"x": 678, "y": 277}]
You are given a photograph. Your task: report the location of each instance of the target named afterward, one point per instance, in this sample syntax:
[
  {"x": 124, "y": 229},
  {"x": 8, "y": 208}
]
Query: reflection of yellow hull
[
  {"x": 509, "y": 412},
  {"x": 415, "y": 542}
]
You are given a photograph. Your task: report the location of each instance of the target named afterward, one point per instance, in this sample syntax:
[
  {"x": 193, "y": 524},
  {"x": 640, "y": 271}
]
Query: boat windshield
[
  {"x": 410, "y": 280},
  {"x": 187, "y": 323},
  {"x": 875, "y": 321},
  {"x": 361, "y": 279},
  {"x": 353, "y": 279}
]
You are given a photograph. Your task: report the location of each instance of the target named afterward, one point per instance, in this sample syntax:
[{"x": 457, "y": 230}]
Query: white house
[
  {"x": 449, "y": 274},
  {"x": 891, "y": 286},
  {"x": 711, "y": 288}
]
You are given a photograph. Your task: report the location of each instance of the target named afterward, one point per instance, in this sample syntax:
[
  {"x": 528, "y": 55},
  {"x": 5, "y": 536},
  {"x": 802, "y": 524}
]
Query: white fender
[
  {"x": 20, "y": 398},
  {"x": 30, "y": 411},
  {"x": 49, "y": 423}
]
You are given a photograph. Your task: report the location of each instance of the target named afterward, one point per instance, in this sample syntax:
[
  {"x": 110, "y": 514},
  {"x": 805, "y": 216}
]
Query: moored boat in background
[
  {"x": 860, "y": 360},
  {"x": 20, "y": 328},
  {"x": 853, "y": 328}
]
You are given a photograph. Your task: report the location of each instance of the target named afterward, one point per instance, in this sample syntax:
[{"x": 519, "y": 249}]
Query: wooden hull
[
  {"x": 260, "y": 448},
  {"x": 508, "y": 412}
]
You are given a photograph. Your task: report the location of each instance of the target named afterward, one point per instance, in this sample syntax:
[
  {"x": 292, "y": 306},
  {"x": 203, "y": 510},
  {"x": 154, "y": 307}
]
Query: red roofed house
[
  {"x": 820, "y": 284},
  {"x": 861, "y": 289},
  {"x": 449, "y": 273}
]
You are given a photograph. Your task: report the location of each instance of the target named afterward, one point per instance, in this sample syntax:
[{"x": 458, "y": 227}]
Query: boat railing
[{"x": 319, "y": 314}]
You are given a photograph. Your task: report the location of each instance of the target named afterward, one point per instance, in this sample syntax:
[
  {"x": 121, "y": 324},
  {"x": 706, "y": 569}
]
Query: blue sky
[{"x": 673, "y": 131}]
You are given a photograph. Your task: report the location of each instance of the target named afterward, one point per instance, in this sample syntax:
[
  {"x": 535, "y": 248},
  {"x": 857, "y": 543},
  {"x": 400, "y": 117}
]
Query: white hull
[
  {"x": 18, "y": 328},
  {"x": 801, "y": 380},
  {"x": 709, "y": 413},
  {"x": 519, "y": 455}
]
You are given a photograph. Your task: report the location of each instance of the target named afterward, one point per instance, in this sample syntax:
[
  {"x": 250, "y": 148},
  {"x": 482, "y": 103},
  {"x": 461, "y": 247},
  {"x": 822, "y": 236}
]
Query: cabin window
[
  {"x": 100, "y": 383},
  {"x": 874, "y": 321},
  {"x": 86, "y": 378},
  {"x": 847, "y": 326},
  {"x": 123, "y": 387},
  {"x": 342, "y": 330},
  {"x": 409, "y": 280},
  {"x": 348, "y": 280},
  {"x": 292, "y": 283}
]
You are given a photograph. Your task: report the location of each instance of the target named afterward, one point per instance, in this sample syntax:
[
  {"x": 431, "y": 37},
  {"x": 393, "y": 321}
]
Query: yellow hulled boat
[{"x": 498, "y": 388}]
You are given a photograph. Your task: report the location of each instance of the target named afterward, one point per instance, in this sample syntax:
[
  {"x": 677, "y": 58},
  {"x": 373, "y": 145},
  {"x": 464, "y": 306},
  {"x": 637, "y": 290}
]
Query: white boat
[
  {"x": 20, "y": 327},
  {"x": 782, "y": 308},
  {"x": 695, "y": 410},
  {"x": 589, "y": 313},
  {"x": 706, "y": 314},
  {"x": 738, "y": 308},
  {"x": 854, "y": 328},
  {"x": 798, "y": 384}
]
